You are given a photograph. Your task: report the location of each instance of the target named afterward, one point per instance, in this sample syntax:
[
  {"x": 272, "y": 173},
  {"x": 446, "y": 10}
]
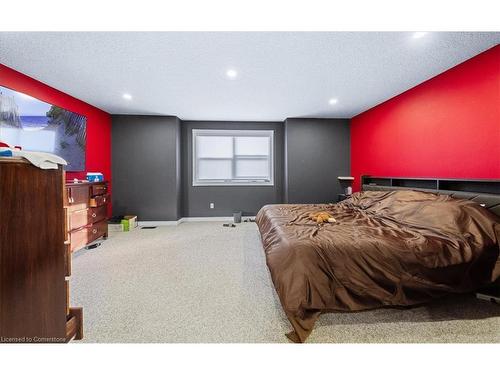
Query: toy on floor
[
  {"x": 322, "y": 217},
  {"x": 93, "y": 246}
]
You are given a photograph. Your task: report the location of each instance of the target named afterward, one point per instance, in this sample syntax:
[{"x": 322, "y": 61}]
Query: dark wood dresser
[
  {"x": 87, "y": 211},
  {"x": 35, "y": 262}
]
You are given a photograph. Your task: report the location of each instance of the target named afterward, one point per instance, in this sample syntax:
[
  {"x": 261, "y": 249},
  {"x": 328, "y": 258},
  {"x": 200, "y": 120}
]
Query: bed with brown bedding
[{"x": 386, "y": 248}]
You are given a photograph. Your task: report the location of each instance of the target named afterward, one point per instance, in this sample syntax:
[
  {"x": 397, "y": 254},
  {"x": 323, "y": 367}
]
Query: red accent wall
[
  {"x": 98, "y": 151},
  {"x": 448, "y": 127}
]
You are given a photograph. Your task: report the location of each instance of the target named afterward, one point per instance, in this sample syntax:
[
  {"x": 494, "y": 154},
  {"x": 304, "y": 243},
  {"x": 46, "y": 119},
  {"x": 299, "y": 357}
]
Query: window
[{"x": 232, "y": 157}]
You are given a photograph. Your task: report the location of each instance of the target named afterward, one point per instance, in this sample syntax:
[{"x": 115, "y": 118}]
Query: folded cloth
[
  {"x": 6, "y": 152},
  {"x": 42, "y": 160}
]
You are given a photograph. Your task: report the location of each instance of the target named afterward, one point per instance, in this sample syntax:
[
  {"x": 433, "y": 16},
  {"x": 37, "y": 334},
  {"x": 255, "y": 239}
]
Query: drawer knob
[
  {"x": 94, "y": 214},
  {"x": 94, "y": 231}
]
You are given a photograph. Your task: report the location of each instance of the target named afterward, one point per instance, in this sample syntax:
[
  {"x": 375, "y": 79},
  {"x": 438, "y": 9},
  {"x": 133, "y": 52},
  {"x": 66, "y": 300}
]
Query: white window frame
[{"x": 234, "y": 181}]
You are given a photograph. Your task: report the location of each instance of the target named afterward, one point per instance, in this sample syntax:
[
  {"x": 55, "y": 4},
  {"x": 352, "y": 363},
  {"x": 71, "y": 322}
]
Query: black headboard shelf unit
[{"x": 484, "y": 186}]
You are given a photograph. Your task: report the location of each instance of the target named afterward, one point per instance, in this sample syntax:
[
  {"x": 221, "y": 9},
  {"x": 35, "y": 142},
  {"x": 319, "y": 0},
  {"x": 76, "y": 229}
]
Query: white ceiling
[{"x": 280, "y": 74}]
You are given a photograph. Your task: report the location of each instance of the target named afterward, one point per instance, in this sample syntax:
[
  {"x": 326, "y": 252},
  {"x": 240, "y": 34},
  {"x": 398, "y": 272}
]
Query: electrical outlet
[{"x": 212, "y": 205}]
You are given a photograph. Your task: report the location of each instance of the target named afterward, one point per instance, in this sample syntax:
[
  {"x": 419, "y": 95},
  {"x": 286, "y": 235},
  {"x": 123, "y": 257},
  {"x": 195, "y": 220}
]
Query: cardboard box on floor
[{"x": 127, "y": 223}]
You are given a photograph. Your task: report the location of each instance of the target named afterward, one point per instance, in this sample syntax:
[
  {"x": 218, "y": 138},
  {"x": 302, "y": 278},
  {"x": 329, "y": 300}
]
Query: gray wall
[
  {"x": 317, "y": 151},
  {"x": 152, "y": 167},
  {"x": 249, "y": 199},
  {"x": 146, "y": 167}
]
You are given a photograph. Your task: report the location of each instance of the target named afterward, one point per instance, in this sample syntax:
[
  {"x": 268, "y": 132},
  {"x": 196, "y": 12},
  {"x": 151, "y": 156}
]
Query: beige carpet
[{"x": 200, "y": 282}]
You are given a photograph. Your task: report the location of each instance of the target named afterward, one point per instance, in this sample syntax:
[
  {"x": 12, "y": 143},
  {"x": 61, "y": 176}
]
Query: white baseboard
[
  {"x": 156, "y": 223},
  {"x": 215, "y": 218},
  {"x": 190, "y": 219},
  {"x": 212, "y": 218}
]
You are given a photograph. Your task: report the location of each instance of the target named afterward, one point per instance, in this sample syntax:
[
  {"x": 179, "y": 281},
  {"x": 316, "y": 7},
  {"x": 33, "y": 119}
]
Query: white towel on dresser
[{"x": 42, "y": 160}]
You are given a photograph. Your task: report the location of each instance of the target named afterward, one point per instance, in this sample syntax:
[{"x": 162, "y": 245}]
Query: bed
[{"x": 389, "y": 246}]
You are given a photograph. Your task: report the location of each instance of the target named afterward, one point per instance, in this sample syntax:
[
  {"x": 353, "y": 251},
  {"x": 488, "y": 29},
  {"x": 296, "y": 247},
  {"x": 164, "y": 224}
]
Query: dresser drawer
[
  {"x": 81, "y": 218},
  {"x": 79, "y": 238},
  {"x": 78, "y": 195},
  {"x": 67, "y": 260},
  {"x": 98, "y": 230},
  {"x": 82, "y": 237},
  {"x": 98, "y": 189},
  {"x": 96, "y": 214},
  {"x": 78, "y": 219},
  {"x": 66, "y": 286},
  {"x": 99, "y": 200}
]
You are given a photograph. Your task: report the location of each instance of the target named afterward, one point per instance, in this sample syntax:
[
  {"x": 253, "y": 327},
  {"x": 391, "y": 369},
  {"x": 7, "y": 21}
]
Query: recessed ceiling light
[
  {"x": 419, "y": 34},
  {"x": 231, "y": 73},
  {"x": 127, "y": 96},
  {"x": 333, "y": 101}
]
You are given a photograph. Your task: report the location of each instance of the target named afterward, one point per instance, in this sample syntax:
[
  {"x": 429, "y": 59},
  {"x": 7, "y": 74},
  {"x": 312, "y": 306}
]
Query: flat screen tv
[{"x": 39, "y": 126}]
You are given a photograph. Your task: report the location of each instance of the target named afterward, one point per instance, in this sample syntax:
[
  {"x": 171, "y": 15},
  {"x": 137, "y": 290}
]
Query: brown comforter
[{"x": 394, "y": 248}]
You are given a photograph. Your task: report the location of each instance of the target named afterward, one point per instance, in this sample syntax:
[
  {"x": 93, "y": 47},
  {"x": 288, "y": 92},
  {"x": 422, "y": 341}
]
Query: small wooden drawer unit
[{"x": 86, "y": 210}]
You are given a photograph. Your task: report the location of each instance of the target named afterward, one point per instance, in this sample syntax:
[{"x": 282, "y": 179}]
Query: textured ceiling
[{"x": 279, "y": 74}]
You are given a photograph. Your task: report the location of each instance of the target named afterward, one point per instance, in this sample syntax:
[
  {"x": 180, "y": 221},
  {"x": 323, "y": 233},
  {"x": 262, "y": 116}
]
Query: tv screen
[{"x": 38, "y": 126}]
